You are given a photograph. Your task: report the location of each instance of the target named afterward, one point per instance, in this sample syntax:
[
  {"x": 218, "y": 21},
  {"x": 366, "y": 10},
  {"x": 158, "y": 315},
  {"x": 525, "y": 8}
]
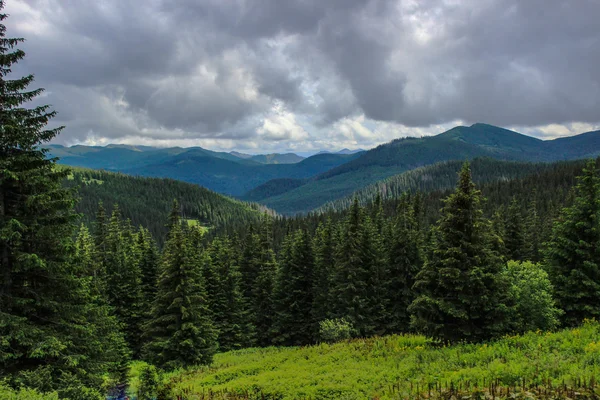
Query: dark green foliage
[
  {"x": 148, "y": 389},
  {"x": 352, "y": 295},
  {"x": 323, "y": 271},
  {"x": 147, "y": 201},
  {"x": 180, "y": 332},
  {"x": 148, "y": 258},
  {"x": 261, "y": 293},
  {"x": 225, "y": 298},
  {"x": 573, "y": 254},
  {"x": 124, "y": 279},
  {"x": 405, "y": 261},
  {"x": 534, "y": 231},
  {"x": 54, "y": 334},
  {"x": 514, "y": 232},
  {"x": 293, "y": 298},
  {"x": 461, "y": 293}
]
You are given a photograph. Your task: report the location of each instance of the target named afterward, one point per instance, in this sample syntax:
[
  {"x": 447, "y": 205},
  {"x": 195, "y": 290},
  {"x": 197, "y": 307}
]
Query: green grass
[
  {"x": 399, "y": 367},
  {"x": 195, "y": 222}
]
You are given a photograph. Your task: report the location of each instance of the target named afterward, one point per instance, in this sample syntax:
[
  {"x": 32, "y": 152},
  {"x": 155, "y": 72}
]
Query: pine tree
[
  {"x": 47, "y": 340},
  {"x": 375, "y": 242},
  {"x": 533, "y": 233},
  {"x": 461, "y": 292},
  {"x": 180, "y": 332},
  {"x": 573, "y": 254},
  {"x": 225, "y": 298},
  {"x": 514, "y": 232},
  {"x": 323, "y": 271},
  {"x": 110, "y": 340},
  {"x": 351, "y": 293},
  {"x": 148, "y": 258},
  {"x": 405, "y": 261},
  {"x": 293, "y": 324},
  {"x": 124, "y": 280}
]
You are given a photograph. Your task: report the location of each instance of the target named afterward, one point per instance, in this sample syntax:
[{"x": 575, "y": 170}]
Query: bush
[
  {"x": 149, "y": 382},
  {"x": 531, "y": 291},
  {"x": 334, "y": 330},
  {"x": 7, "y": 393}
]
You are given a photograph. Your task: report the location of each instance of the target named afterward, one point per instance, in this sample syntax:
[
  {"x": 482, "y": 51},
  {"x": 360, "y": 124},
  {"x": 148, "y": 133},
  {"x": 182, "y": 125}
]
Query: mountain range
[{"x": 289, "y": 187}]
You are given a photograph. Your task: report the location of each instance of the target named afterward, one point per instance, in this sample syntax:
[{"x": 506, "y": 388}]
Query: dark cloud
[{"x": 219, "y": 69}]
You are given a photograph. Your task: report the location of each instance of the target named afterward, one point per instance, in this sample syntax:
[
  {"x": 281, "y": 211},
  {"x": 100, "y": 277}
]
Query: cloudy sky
[{"x": 305, "y": 75}]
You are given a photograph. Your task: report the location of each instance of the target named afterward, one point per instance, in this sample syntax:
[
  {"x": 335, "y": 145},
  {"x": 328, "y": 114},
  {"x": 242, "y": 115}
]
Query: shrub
[
  {"x": 7, "y": 393},
  {"x": 149, "y": 382},
  {"x": 531, "y": 291},
  {"x": 333, "y": 330}
]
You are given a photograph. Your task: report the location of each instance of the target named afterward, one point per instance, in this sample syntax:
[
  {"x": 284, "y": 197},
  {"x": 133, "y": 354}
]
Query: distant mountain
[
  {"x": 218, "y": 171},
  {"x": 276, "y": 158},
  {"x": 348, "y": 151},
  {"x": 459, "y": 143},
  {"x": 343, "y": 151},
  {"x": 240, "y": 155}
]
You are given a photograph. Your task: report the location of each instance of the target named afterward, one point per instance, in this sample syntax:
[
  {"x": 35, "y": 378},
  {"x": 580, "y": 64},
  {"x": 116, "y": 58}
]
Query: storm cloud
[{"x": 268, "y": 75}]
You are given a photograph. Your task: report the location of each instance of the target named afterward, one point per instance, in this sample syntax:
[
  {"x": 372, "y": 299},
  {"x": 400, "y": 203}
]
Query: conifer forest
[{"x": 459, "y": 266}]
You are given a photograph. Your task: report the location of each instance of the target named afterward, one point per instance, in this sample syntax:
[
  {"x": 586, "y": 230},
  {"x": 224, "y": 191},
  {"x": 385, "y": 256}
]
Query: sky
[{"x": 306, "y": 75}]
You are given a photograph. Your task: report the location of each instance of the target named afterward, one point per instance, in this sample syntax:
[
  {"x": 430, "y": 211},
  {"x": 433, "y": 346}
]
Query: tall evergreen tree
[
  {"x": 514, "y": 232},
  {"x": 351, "y": 289},
  {"x": 573, "y": 254},
  {"x": 148, "y": 259},
  {"x": 293, "y": 297},
  {"x": 461, "y": 293},
  {"x": 124, "y": 280},
  {"x": 323, "y": 271},
  {"x": 44, "y": 298},
  {"x": 180, "y": 332},
  {"x": 533, "y": 233},
  {"x": 405, "y": 261},
  {"x": 225, "y": 298}
]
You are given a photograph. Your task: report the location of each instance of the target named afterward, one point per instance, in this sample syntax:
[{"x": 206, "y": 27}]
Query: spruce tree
[
  {"x": 180, "y": 332},
  {"x": 47, "y": 341},
  {"x": 225, "y": 297},
  {"x": 533, "y": 233},
  {"x": 461, "y": 294},
  {"x": 148, "y": 258},
  {"x": 351, "y": 292},
  {"x": 323, "y": 271},
  {"x": 573, "y": 253},
  {"x": 514, "y": 232},
  {"x": 124, "y": 280},
  {"x": 293, "y": 297},
  {"x": 405, "y": 261}
]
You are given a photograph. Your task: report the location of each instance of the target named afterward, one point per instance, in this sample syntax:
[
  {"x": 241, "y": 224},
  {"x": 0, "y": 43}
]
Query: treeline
[{"x": 146, "y": 201}]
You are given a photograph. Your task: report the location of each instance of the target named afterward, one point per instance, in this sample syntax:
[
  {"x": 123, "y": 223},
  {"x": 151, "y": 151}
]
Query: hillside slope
[
  {"x": 459, "y": 143},
  {"x": 440, "y": 176},
  {"x": 148, "y": 201},
  {"x": 221, "y": 172},
  {"x": 399, "y": 367}
]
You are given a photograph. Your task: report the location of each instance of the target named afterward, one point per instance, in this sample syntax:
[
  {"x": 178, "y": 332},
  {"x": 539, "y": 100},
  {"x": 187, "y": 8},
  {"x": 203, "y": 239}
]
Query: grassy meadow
[{"x": 562, "y": 364}]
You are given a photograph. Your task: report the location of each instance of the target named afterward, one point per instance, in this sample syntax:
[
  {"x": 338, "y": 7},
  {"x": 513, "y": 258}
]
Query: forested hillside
[
  {"x": 147, "y": 201},
  {"x": 441, "y": 176},
  {"x": 460, "y": 143},
  {"x": 218, "y": 171}
]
